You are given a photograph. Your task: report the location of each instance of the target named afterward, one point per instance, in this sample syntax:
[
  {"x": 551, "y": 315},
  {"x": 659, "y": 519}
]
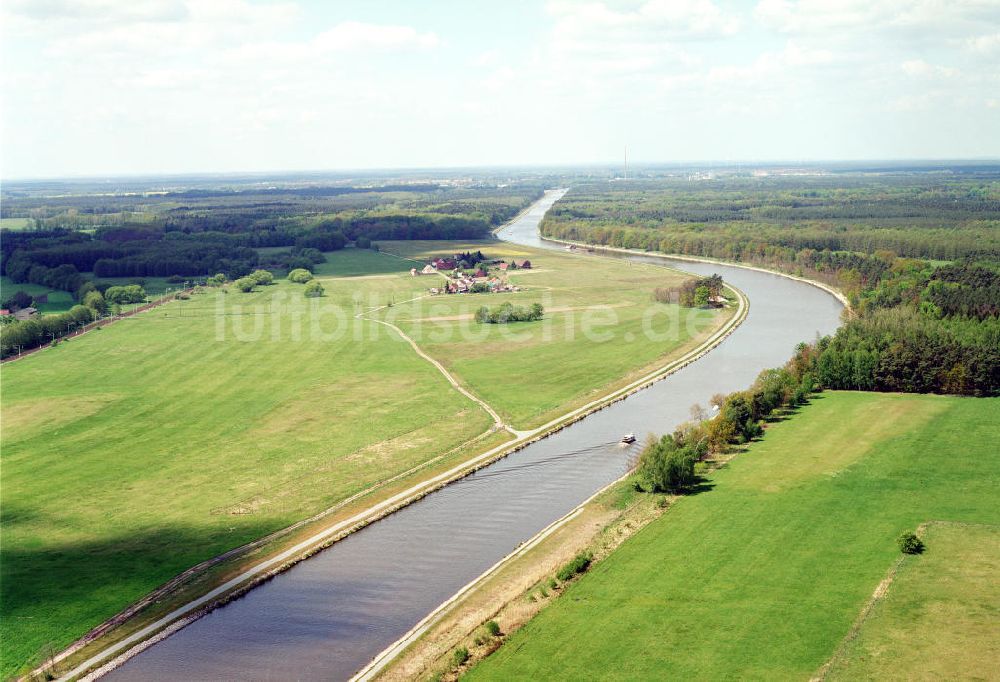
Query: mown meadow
[
  {"x": 136, "y": 451},
  {"x": 601, "y": 328},
  {"x": 762, "y": 573}
]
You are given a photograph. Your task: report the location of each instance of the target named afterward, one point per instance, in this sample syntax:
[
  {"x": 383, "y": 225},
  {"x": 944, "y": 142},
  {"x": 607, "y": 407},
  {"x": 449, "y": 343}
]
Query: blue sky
[{"x": 92, "y": 87}]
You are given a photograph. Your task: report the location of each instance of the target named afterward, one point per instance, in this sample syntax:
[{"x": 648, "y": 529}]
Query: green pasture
[
  {"x": 136, "y": 451},
  {"x": 58, "y": 301},
  {"x": 762, "y": 572},
  {"x": 15, "y": 223},
  {"x": 601, "y": 327},
  {"x": 938, "y": 619}
]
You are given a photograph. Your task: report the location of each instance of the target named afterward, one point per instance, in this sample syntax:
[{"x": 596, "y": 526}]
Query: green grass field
[
  {"x": 15, "y": 223},
  {"x": 594, "y": 332},
  {"x": 136, "y": 451},
  {"x": 939, "y": 617},
  {"x": 353, "y": 262},
  {"x": 59, "y": 301},
  {"x": 762, "y": 575}
]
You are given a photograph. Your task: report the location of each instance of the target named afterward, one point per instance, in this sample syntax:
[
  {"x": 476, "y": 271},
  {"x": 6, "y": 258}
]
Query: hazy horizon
[
  {"x": 609, "y": 167},
  {"x": 105, "y": 88}
]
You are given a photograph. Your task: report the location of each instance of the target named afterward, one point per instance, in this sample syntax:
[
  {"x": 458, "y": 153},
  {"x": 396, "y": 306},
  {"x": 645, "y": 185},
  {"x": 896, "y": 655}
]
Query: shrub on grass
[
  {"x": 314, "y": 289},
  {"x": 262, "y": 277},
  {"x": 493, "y": 628},
  {"x": 245, "y": 284},
  {"x": 579, "y": 564},
  {"x": 460, "y": 656},
  {"x": 299, "y": 276},
  {"x": 909, "y": 543}
]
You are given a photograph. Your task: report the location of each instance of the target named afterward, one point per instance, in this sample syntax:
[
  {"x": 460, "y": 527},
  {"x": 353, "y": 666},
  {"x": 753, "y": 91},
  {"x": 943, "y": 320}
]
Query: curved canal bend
[{"x": 328, "y": 616}]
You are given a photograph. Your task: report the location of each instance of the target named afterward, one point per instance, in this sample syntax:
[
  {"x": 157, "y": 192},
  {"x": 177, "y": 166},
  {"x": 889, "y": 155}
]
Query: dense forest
[
  {"x": 918, "y": 324},
  {"x": 201, "y": 232},
  {"x": 759, "y": 219}
]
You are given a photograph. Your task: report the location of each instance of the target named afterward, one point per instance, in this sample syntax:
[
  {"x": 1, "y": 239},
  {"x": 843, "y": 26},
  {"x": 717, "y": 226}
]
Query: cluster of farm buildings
[{"x": 485, "y": 276}]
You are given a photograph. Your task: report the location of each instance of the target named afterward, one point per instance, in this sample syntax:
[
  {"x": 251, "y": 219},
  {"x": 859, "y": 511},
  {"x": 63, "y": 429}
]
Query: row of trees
[
  {"x": 507, "y": 312},
  {"x": 19, "y": 336},
  {"x": 668, "y": 464}
]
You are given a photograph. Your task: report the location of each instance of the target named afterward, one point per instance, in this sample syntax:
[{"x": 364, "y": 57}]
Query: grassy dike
[{"x": 765, "y": 574}]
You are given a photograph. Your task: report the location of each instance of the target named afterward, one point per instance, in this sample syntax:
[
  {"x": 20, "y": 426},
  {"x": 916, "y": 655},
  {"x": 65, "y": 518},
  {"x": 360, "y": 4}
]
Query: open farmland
[
  {"x": 138, "y": 450},
  {"x": 199, "y": 426},
  {"x": 764, "y": 573},
  {"x": 600, "y": 329}
]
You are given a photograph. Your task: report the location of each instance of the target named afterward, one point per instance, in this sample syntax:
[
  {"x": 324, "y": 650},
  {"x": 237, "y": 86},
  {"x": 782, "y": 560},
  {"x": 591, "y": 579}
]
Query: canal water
[{"x": 328, "y": 616}]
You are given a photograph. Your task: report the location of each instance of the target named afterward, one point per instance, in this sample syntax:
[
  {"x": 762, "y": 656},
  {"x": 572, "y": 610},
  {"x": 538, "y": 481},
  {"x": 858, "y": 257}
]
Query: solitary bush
[
  {"x": 299, "y": 276},
  {"x": 461, "y": 655},
  {"x": 363, "y": 243},
  {"x": 579, "y": 564},
  {"x": 245, "y": 284},
  {"x": 909, "y": 543},
  {"x": 508, "y": 313},
  {"x": 314, "y": 289},
  {"x": 262, "y": 277},
  {"x": 493, "y": 628}
]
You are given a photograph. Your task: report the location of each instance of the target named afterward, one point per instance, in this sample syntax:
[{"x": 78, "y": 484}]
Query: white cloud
[
  {"x": 918, "y": 68},
  {"x": 272, "y": 84},
  {"x": 986, "y": 45},
  {"x": 635, "y": 37},
  {"x": 97, "y": 11},
  {"x": 355, "y": 35},
  {"x": 907, "y": 20},
  {"x": 654, "y": 22}
]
